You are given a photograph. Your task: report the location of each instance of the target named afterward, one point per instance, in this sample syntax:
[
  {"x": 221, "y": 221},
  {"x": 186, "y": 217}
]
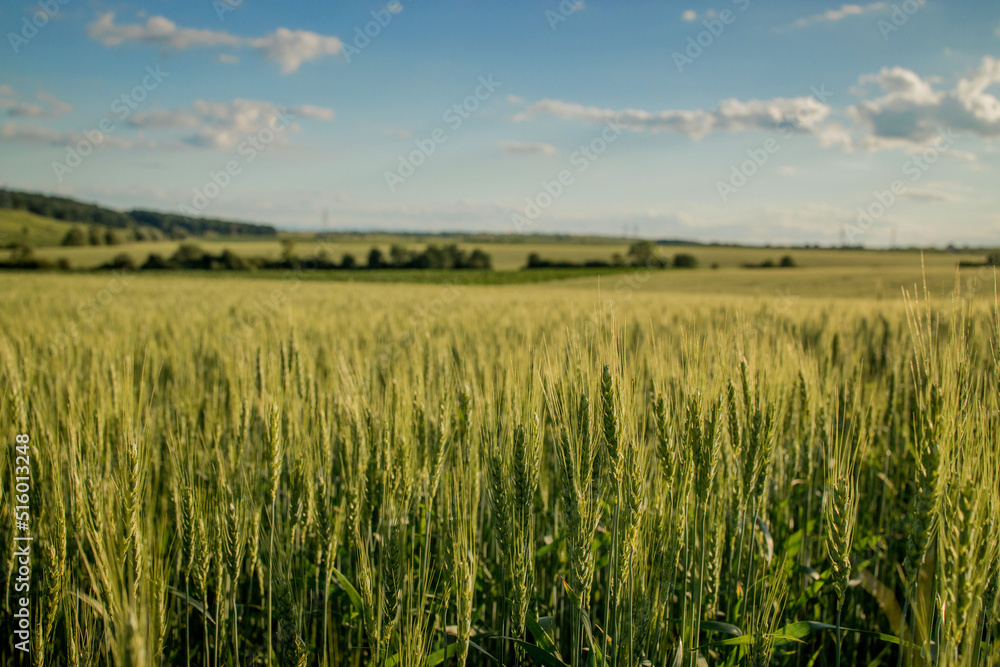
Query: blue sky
[{"x": 729, "y": 120}]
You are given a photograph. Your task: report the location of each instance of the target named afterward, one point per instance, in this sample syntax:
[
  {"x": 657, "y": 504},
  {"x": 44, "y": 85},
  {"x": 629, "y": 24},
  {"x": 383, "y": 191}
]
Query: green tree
[
  {"x": 480, "y": 260},
  {"x": 121, "y": 262},
  {"x": 642, "y": 253},
  {"x": 399, "y": 256},
  {"x": 75, "y": 237},
  {"x": 684, "y": 260},
  {"x": 21, "y": 253},
  {"x": 230, "y": 261},
  {"x": 188, "y": 255}
]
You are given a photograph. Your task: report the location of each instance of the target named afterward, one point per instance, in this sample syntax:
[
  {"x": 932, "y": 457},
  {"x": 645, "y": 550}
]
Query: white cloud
[
  {"x": 801, "y": 114},
  {"x": 911, "y": 111},
  {"x": 219, "y": 125},
  {"x": 57, "y": 107},
  {"x": 834, "y": 134},
  {"x": 225, "y": 124},
  {"x": 288, "y": 48},
  {"x": 157, "y": 31},
  {"x": 227, "y": 59},
  {"x": 529, "y": 149},
  {"x": 164, "y": 120},
  {"x": 314, "y": 112},
  {"x": 834, "y": 15},
  {"x": 51, "y": 106},
  {"x": 927, "y": 195},
  {"x": 34, "y": 134},
  {"x": 689, "y": 15},
  {"x": 905, "y": 111}
]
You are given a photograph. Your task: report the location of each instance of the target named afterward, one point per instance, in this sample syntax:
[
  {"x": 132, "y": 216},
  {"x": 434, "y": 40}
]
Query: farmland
[
  {"x": 728, "y": 465},
  {"x": 507, "y": 255}
]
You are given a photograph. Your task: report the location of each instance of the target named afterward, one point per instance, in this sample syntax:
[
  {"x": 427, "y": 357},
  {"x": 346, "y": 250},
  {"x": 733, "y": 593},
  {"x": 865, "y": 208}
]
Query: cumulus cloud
[
  {"x": 526, "y": 149},
  {"x": 218, "y": 125},
  {"x": 288, "y": 48},
  {"x": 156, "y": 31},
  {"x": 898, "y": 109},
  {"x": 911, "y": 111},
  {"x": 834, "y": 134},
  {"x": 834, "y": 15},
  {"x": 224, "y": 125},
  {"x": 800, "y": 114},
  {"x": 291, "y": 48}
]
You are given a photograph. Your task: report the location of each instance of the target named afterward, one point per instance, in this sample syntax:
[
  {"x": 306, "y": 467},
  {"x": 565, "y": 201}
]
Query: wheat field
[{"x": 254, "y": 472}]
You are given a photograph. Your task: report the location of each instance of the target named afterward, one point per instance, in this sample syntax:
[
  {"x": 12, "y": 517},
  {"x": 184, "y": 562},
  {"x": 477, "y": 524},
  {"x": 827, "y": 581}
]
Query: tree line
[
  {"x": 139, "y": 223},
  {"x": 640, "y": 253},
  {"x": 190, "y": 256}
]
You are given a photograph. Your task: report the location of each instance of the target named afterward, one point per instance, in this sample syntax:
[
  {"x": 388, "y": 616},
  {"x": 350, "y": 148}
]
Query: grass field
[
  {"x": 874, "y": 275},
  {"x": 35, "y": 230},
  {"x": 255, "y": 471},
  {"x": 507, "y": 256}
]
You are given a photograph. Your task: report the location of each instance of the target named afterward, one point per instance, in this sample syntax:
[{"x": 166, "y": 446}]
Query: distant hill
[
  {"x": 140, "y": 224},
  {"x": 17, "y": 226}
]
